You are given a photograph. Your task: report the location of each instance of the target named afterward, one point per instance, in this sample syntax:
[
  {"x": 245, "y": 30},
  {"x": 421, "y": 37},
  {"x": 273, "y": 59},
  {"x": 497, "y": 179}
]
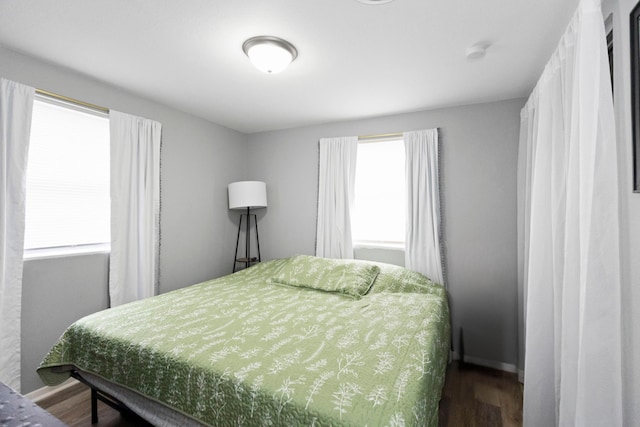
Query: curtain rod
[
  {"x": 72, "y": 100},
  {"x": 381, "y": 135}
]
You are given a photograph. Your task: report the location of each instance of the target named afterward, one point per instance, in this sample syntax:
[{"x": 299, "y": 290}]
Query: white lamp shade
[{"x": 247, "y": 194}]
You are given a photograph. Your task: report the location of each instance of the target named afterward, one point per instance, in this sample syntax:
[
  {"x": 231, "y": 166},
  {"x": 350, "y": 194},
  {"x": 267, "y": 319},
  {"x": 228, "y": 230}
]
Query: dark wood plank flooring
[
  {"x": 76, "y": 411},
  {"x": 472, "y": 396},
  {"x": 477, "y": 396}
]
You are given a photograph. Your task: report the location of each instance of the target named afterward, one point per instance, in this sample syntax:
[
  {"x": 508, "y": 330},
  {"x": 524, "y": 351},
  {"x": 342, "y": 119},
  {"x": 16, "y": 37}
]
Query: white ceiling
[{"x": 355, "y": 60}]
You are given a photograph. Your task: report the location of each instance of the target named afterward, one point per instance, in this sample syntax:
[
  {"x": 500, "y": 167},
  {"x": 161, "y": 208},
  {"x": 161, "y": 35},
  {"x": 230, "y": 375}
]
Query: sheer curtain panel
[
  {"x": 423, "y": 246},
  {"x": 336, "y": 183},
  {"x": 570, "y": 233},
  {"x": 16, "y": 105},
  {"x": 135, "y": 207}
]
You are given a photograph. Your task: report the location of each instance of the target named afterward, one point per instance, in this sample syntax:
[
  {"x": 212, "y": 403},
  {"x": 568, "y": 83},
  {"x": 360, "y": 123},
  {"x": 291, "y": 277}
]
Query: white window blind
[
  {"x": 379, "y": 215},
  {"x": 68, "y": 202}
]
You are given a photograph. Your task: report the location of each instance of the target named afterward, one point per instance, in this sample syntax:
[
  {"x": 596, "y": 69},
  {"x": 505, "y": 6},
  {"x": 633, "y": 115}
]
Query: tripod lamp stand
[{"x": 247, "y": 195}]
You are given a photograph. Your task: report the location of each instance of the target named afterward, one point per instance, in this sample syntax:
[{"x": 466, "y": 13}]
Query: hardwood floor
[
  {"x": 477, "y": 396},
  {"x": 76, "y": 411},
  {"x": 472, "y": 396}
]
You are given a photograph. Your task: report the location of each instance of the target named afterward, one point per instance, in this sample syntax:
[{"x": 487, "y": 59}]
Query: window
[
  {"x": 67, "y": 201},
  {"x": 380, "y": 192}
]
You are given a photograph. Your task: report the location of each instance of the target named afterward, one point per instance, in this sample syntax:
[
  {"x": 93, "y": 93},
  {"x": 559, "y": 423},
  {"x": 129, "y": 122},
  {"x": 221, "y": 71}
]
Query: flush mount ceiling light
[{"x": 269, "y": 54}]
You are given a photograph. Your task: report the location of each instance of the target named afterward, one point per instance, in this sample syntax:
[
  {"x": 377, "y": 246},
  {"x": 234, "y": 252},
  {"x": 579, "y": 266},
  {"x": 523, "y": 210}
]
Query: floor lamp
[{"x": 247, "y": 195}]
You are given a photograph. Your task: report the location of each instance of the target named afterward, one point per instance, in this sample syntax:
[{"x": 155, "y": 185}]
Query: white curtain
[
  {"x": 16, "y": 105},
  {"x": 422, "y": 246},
  {"x": 336, "y": 183},
  {"x": 525, "y": 164},
  {"x": 135, "y": 207},
  {"x": 569, "y": 229}
]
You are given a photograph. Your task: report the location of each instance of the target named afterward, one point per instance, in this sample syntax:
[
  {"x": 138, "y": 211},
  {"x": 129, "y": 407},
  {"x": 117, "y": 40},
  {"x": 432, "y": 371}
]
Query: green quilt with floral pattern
[{"x": 247, "y": 350}]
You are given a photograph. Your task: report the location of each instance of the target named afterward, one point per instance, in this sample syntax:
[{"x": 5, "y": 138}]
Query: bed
[{"x": 295, "y": 341}]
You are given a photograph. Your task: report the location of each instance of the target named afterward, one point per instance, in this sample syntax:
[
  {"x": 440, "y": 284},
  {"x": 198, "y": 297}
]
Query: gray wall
[
  {"x": 479, "y": 148},
  {"x": 393, "y": 256},
  {"x": 198, "y": 158},
  {"x": 55, "y": 293}
]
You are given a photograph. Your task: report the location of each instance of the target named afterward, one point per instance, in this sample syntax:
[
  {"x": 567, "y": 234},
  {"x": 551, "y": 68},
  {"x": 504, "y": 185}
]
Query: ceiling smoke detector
[{"x": 477, "y": 51}]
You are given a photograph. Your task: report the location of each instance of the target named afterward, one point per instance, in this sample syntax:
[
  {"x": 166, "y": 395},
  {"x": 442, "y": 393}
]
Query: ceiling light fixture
[{"x": 269, "y": 54}]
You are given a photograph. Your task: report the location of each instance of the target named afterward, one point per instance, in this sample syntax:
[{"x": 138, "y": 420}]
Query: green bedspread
[{"x": 246, "y": 349}]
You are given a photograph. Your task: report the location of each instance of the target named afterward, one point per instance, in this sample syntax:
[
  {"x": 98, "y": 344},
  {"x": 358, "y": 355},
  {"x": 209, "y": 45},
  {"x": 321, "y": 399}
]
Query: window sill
[
  {"x": 379, "y": 245},
  {"x": 66, "y": 251}
]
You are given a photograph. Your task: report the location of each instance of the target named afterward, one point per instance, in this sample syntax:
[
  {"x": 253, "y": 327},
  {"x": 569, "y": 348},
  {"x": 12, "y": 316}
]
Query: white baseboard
[
  {"x": 48, "y": 391},
  {"x": 501, "y": 366}
]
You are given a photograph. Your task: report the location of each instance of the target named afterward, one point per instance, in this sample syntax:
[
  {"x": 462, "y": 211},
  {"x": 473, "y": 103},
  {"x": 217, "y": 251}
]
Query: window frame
[
  {"x": 71, "y": 249},
  {"x": 381, "y": 244}
]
